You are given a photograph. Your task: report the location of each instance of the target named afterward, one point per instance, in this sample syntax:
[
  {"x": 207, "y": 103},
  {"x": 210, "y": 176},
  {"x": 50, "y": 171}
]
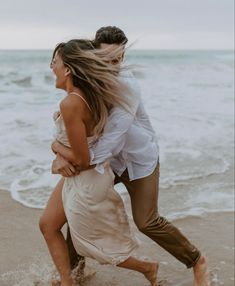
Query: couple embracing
[{"x": 103, "y": 137}]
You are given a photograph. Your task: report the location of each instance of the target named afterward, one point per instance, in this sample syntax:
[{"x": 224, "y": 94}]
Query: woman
[{"x": 88, "y": 202}]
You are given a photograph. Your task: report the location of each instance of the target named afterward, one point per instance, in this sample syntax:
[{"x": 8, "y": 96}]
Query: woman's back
[
  {"x": 61, "y": 134},
  {"x": 89, "y": 119}
]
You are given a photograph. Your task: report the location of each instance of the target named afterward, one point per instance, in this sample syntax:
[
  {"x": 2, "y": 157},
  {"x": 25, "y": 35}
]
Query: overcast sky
[{"x": 155, "y": 24}]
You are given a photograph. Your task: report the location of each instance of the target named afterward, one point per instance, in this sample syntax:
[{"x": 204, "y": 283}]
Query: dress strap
[{"x": 73, "y": 92}]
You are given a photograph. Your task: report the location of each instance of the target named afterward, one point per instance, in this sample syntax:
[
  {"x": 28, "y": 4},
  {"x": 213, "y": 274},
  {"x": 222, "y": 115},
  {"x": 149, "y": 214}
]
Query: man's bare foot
[
  {"x": 89, "y": 272},
  {"x": 151, "y": 273},
  {"x": 78, "y": 273},
  {"x": 67, "y": 284},
  {"x": 201, "y": 273},
  {"x": 55, "y": 283}
]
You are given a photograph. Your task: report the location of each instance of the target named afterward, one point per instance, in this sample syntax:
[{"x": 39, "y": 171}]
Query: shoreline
[
  {"x": 177, "y": 216},
  {"x": 25, "y": 258}
]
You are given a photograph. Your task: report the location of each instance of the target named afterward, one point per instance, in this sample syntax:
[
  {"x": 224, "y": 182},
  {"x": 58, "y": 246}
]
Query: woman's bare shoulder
[{"x": 72, "y": 104}]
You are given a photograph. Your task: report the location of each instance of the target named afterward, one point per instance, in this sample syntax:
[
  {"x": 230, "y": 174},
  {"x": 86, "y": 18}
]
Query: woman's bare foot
[
  {"x": 201, "y": 273},
  {"x": 151, "y": 272}
]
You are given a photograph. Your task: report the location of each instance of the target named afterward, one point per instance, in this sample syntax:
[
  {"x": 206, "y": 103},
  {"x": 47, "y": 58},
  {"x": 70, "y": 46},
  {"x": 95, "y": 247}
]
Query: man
[{"x": 129, "y": 142}]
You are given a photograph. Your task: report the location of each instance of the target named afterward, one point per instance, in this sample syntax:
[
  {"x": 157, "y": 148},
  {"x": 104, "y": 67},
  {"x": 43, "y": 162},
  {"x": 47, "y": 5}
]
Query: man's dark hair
[{"x": 110, "y": 35}]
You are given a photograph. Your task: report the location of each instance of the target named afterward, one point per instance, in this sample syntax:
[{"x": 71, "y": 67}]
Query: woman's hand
[
  {"x": 63, "y": 167},
  {"x": 55, "y": 146}
]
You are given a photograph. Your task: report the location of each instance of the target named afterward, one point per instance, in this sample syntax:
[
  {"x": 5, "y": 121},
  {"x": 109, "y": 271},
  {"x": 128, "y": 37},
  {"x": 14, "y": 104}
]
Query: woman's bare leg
[
  {"x": 50, "y": 224},
  {"x": 149, "y": 269}
]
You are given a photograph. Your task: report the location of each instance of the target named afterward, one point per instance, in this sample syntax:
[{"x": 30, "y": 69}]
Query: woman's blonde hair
[{"x": 93, "y": 73}]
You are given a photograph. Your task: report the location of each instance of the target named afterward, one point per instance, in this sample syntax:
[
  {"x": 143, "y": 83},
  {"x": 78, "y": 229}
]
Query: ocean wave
[
  {"x": 180, "y": 113},
  {"x": 196, "y": 166},
  {"x": 35, "y": 184},
  {"x": 198, "y": 198},
  {"x": 196, "y": 212},
  {"x": 34, "y": 187},
  {"x": 12, "y": 73},
  {"x": 24, "y": 82},
  {"x": 180, "y": 55},
  {"x": 49, "y": 79},
  {"x": 211, "y": 85},
  {"x": 23, "y": 124},
  {"x": 187, "y": 179}
]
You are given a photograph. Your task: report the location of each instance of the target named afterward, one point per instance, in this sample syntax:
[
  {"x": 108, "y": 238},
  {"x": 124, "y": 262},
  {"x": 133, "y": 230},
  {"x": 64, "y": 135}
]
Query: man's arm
[
  {"x": 113, "y": 138},
  {"x": 108, "y": 145},
  {"x": 119, "y": 121}
]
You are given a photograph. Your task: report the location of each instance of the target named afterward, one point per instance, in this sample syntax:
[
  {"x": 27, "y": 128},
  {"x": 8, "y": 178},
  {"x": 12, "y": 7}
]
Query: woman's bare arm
[{"x": 73, "y": 115}]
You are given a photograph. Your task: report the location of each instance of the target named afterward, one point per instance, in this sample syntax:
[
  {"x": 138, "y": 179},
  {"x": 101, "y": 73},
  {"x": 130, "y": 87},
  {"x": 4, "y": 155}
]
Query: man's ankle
[{"x": 201, "y": 261}]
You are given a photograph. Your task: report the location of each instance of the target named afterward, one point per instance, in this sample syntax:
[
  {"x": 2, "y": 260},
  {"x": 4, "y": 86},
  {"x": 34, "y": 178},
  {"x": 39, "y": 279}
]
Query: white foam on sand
[{"x": 38, "y": 273}]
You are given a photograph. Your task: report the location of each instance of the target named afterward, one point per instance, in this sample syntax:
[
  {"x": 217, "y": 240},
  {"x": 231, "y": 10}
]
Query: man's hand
[{"x": 61, "y": 166}]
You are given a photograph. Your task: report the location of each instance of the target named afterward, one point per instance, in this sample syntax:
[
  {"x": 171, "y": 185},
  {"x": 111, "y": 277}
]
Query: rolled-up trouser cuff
[{"x": 194, "y": 262}]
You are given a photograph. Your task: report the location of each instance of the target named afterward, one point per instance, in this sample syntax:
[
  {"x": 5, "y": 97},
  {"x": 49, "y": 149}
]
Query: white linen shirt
[{"x": 128, "y": 140}]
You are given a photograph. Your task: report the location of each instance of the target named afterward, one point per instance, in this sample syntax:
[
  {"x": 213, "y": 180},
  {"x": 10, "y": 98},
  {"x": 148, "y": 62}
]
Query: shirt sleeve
[
  {"x": 113, "y": 138},
  {"x": 119, "y": 120}
]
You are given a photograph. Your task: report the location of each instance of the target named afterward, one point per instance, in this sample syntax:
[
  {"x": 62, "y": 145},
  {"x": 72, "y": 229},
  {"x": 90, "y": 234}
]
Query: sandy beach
[{"x": 25, "y": 260}]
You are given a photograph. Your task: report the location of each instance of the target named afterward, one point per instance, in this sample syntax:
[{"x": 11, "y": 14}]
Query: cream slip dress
[{"x": 95, "y": 211}]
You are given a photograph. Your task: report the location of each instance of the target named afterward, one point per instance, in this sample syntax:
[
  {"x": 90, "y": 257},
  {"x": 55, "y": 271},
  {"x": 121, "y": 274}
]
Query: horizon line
[{"x": 138, "y": 49}]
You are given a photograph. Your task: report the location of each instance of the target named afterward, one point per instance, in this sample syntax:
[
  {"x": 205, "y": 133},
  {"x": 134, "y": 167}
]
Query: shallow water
[{"x": 189, "y": 97}]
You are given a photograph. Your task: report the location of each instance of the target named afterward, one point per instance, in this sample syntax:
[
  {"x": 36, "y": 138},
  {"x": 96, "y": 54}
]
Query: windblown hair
[
  {"x": 96, "y": 77},
  {"x": 110, "y": 35}
]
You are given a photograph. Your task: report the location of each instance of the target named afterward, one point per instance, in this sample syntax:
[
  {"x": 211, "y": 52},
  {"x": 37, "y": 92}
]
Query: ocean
[{"x": 189, "y": 96}]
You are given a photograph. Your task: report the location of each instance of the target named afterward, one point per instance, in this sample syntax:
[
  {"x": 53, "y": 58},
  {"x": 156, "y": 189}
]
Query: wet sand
[{"x": 25, "y": 260}]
